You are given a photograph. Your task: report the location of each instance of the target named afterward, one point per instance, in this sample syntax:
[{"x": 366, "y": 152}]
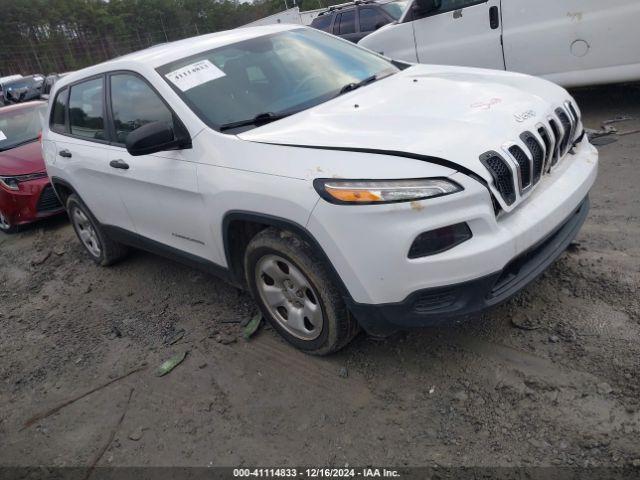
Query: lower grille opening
[{"x": 48, "y": 200}]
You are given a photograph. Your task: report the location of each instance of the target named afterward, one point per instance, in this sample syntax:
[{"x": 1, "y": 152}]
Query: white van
[{"x": 570, "y": 42}]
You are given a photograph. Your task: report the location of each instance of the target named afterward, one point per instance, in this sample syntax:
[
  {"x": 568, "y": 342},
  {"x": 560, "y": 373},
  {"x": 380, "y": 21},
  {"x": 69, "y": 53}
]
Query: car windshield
[
  {"x": 21, "y": 125},
  {"x": 395, "y": 9},
  {"x": 271, "y": 76}
]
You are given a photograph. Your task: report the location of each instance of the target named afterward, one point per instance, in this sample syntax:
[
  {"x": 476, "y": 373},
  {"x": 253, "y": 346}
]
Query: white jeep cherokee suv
[{"x": 343, "y": 189}]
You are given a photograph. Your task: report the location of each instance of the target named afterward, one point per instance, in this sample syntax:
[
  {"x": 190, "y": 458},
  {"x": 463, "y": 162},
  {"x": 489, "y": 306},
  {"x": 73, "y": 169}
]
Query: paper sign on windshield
[
  {"x": 191, "y": 76},
  {"x": 2, "y": 136}
]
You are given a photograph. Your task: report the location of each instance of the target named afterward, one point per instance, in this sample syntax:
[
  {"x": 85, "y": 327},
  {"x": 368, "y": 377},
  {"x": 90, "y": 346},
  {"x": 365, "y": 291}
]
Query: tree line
[{"x": 45, "y": 36}]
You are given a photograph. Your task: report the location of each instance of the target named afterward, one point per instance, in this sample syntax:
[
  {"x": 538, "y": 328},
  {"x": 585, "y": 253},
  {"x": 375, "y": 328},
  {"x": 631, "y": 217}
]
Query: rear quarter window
[{"x": 57, "y": 122}]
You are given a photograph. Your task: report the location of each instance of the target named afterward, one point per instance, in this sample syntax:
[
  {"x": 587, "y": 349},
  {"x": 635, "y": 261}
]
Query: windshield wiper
[
  {"x": 260, "y": 119},
  {"x": 349, "y": 87},
  {"x": 18, "y": 144}
]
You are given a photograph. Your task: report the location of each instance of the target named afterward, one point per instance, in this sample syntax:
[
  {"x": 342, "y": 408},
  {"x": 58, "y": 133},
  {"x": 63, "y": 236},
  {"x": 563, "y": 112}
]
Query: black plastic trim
[
  {"x": 467, "y": 299},
  {"x": 143, "y": 243},
  {"x": 283, "y": 224}
]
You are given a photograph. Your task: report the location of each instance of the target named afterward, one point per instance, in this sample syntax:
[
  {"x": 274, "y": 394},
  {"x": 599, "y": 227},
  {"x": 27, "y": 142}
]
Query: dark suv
[{"x": 353, "y": 21}]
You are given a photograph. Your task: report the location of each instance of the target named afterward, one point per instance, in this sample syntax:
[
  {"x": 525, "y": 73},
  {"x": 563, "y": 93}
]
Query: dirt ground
[{"x": 550, "y": 378}]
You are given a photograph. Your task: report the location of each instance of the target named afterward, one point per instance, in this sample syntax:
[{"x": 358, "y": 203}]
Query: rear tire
[
  {"x": 100, "y": 247},
  {"x": 297, "y": 293}
]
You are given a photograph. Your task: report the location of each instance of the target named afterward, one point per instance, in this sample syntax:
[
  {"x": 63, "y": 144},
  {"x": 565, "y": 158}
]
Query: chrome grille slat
[
  {"x": 537, "y": 154},
  {"x": 522, "y": 164}
]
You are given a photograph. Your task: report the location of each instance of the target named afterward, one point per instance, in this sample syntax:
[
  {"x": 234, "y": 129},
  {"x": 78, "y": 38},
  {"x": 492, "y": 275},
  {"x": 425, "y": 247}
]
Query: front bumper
[
  {"x": 36, "y": 199},
  {"x": 448, "y": 304}
]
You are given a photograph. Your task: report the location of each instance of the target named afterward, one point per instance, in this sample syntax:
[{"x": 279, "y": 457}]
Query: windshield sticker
[
  {"x": 2, "y": 136},
  {"x": 193, "y": 75}
]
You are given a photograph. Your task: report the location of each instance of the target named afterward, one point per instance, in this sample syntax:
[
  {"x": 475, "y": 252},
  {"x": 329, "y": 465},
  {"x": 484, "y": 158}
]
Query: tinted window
[
  {"x": 395, "y": 9},
  {"x": 85, "y": 110},
  {"x": 322, "y": 23},
  {"x": 370, "y": 19},
  {"x": 59, "y": 111},
  {"x": 135, "y": 104},
  {"x": 346, "y": 22},
  {"x": 448, "y": 5}
]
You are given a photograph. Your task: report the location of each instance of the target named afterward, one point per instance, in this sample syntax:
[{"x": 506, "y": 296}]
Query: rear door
[
  {"x": 160, "y": 190},
  {"x": 345, "y": 25},
  {"x": 461, "y": 32},
  {"x": 371, "y": 18},
  {"x": 80, "y": 150}
]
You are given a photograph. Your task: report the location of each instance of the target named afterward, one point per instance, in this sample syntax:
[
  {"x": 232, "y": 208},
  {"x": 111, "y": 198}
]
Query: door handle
[
  {"x": 494, "y": 17},
  {"x": 121, "y": 164},
  {"x": 65, "y": 153}
]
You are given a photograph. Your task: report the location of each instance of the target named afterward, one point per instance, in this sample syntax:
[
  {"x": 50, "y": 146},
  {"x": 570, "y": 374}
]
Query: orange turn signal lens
[
  {"x": 383, "y": 191},
  {"x": 353, "y": 195}
]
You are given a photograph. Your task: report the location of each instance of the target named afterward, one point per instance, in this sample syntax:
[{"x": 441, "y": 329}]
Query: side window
[
  {"x": 322, "y": 22},
  {"x": 86, "y": 118},
  {"x": 59, "y": 112},
  {"x": 345, "y": 23},
  {"x": 371, "y": 19},
  {"x": 135, "y": 104},
  {"x": 450, "y": 5}
]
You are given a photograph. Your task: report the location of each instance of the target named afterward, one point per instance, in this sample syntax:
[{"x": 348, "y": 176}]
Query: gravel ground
[{"x": 550, "y": 378}]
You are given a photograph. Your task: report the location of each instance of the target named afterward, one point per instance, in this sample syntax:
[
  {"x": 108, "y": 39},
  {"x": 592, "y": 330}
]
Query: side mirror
[
  {"x": 155, "y": 137},
  {"x": 424, "y": 7}
]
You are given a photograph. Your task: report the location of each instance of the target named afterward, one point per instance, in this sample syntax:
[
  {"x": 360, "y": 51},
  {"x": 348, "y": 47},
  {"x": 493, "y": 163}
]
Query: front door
[
  {"x": 461, "y": 32},
  {"x": 160, "y": 191}
]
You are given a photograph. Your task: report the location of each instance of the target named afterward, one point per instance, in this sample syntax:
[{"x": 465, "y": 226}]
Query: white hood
[{"x": 452, "y": 113}]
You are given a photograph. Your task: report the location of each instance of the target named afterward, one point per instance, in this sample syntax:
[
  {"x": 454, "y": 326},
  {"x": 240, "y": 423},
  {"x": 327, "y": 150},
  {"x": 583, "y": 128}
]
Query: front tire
[
  {"x": 296, "y": 293},
  {"x": 5, "y": 226},
  {"x": 100, "y": 247}
]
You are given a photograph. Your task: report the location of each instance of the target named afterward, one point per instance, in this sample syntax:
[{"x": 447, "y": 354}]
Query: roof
[
  {"x": 21, "y": 106},
  {"x": 164, "y": 53}
]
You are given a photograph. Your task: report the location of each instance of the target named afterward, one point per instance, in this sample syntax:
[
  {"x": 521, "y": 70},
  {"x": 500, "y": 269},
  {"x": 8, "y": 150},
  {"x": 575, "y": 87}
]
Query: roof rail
[{"x": 340, "y": 6}]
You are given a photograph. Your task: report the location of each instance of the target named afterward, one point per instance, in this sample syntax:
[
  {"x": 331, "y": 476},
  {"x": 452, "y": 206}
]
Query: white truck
[{"x": 570, "y": 42}]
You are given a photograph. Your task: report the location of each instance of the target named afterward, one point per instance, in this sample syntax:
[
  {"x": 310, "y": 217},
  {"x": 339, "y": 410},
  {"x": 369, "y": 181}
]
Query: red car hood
[{"x": 22, "y": 160}]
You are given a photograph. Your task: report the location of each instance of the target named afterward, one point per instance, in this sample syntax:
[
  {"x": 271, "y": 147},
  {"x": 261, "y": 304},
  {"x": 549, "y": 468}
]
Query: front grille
[
  {"x": 556, "y": 136},
  {"x": 547, "y": 143},
  {"x": 48, "y": 200},
  {"x": 502, "y": 175},
  {"x": 537, "y": 153},
  {"x": 566, "y": 124},
  {"x": 533, "y": 156},
  {"x": 525, "y": 165}
]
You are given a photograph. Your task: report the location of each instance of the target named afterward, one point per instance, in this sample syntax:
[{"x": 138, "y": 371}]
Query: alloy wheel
[{"x": 4, "y": 222}]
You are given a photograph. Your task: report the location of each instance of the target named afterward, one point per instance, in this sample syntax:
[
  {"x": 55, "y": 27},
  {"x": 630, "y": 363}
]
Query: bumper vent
[
  {"x": 502, "y": 175},
  {"x": 534, "y": 156},
  {"x": 48, "y": 200}
]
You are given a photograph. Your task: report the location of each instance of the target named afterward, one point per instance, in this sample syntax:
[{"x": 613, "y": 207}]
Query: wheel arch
[
  {"x": 240, "y": 226},
  {"x": 63, "y": 189}
]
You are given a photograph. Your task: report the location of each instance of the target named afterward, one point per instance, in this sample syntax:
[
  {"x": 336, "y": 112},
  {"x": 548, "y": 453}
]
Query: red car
[{"x": 25, "y": 192}]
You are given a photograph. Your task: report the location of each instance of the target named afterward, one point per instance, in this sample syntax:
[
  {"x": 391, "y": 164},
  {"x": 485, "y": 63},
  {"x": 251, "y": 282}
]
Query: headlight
[
  {"x": 13, "y": 182},
  {"x": 383, "y": 191},
  {"x": 10, "y": 182}
]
